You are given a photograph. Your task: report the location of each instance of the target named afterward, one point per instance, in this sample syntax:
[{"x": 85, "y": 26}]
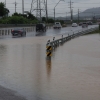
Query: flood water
[{"x": 72, "y": 73}]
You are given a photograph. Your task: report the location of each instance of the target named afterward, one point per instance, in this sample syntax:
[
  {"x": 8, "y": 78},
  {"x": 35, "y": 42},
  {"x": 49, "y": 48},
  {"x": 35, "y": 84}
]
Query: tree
[
  {"x": 50, "y": 20},
  {"x": 6, "y": 11},
  {"x": 19, "y": 14},
  {"x": 15, "y": 14},
  {"x": 3, "y": 11},
  {"x": 43, "y": 19},
  {"x": 30, "y": 16}
]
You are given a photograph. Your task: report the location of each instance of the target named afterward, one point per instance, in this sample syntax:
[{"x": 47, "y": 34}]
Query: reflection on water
[
  {"x": 48, "y": 66},
  {"x": 3, "y": 59},
  {"x": 72, "y": 73},
  {"x": 19, "y": 68}
]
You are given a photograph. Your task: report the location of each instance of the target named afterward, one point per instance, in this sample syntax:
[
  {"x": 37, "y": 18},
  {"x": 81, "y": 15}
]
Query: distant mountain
[{"x": 89, "y": 13}]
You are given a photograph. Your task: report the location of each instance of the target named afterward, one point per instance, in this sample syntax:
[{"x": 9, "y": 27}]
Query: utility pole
[
  {"x": 40, "y": 9},
  {"x": 22, "y": 6},
  {"x": 72, "y": 14},
  {"x": 55, "y": 7},
  {"x": 15, "y": 5},
  {"x": 71, "y": 11},
  {"x": 78, "y": 16},
  {"x": 54, "y": 14},
  {"x": 46, "y": 11},
  {"x": 66, "y": 16}
]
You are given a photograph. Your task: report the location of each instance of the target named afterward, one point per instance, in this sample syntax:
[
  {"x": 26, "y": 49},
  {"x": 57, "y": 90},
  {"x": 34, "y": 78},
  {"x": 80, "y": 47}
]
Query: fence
[{"x": 55, "y": 43}]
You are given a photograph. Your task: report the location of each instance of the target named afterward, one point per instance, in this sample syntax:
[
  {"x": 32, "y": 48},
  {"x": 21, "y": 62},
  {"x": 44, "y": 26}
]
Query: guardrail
[
  {"x": 51, "y": 45},
  {"x": 7, "y": 31}
]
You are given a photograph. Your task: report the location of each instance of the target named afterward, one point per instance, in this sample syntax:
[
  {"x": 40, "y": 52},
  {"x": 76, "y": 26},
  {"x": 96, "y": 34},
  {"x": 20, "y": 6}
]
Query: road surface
[
  {"x": 73, "y": 73},
  {"x": 53, "y": 32}
]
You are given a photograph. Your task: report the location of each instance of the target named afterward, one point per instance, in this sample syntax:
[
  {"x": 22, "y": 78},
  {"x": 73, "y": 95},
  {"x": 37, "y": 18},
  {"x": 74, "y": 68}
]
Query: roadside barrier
[
  {"x": 49, "y": 49},
  {"x": 7, "y": 31},
  {"x": 4, "y": 31},
  {"x": 50, "y": 46}
]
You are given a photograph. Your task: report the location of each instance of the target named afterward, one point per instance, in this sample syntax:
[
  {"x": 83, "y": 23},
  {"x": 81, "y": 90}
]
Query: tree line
[{"x": 18, "y": 18}]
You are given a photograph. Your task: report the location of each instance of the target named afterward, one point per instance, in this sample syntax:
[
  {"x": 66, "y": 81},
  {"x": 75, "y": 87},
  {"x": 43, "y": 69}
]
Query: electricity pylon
[{"x": 40, "y": 6}]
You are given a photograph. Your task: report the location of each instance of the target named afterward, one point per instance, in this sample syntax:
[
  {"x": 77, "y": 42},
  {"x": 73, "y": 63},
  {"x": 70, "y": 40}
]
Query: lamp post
[{"x": 55, "y": 7}]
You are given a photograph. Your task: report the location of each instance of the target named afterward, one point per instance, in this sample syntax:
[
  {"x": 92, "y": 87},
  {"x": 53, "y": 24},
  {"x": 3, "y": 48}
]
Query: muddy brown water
[{"x": 73, "y": 73}]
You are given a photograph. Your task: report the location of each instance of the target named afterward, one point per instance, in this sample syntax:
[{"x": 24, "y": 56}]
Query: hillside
[{"x": 88, "y": 13}]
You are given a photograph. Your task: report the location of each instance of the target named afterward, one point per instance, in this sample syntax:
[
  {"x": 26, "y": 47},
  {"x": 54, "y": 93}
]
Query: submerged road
[
  {"x": 73, "y": 73},
  {"x": 53, "y": 32}
]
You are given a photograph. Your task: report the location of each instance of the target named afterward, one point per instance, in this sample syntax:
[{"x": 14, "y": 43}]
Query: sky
[{"x": 61, "y": 10}]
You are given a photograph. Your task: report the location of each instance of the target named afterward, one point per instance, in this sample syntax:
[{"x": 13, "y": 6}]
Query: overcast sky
[{"x": 62, "y": 9}]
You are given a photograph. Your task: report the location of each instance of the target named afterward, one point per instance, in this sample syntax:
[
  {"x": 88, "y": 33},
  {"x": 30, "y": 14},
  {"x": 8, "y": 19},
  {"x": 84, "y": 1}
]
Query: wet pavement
[
  {"x": 50, "y": 32},
  {"x": 7, "y": 94},
  {"x": 72, "y": 73}
]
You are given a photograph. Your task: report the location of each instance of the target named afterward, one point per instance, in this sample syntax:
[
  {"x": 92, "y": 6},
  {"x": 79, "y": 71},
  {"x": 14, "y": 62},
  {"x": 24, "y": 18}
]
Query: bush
[{"x": 17, "y": 20}]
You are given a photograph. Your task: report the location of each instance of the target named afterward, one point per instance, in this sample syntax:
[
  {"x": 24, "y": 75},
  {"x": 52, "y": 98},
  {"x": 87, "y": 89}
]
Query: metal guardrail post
[
  {"x": 53, "y": 43},
  {"x": 62, "y": 39},
  {"x": 5, "y": 32},
  {"x": 48, "y": 49},
  {"x": 99, "y": 26},
  {"x": 2, "y": 32},
  {"x": 8, "y": 32},
  {"x": 57, "y": 42}
]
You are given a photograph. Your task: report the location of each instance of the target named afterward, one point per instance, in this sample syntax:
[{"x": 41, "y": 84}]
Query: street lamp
[{"x": 55, "y": 7}]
